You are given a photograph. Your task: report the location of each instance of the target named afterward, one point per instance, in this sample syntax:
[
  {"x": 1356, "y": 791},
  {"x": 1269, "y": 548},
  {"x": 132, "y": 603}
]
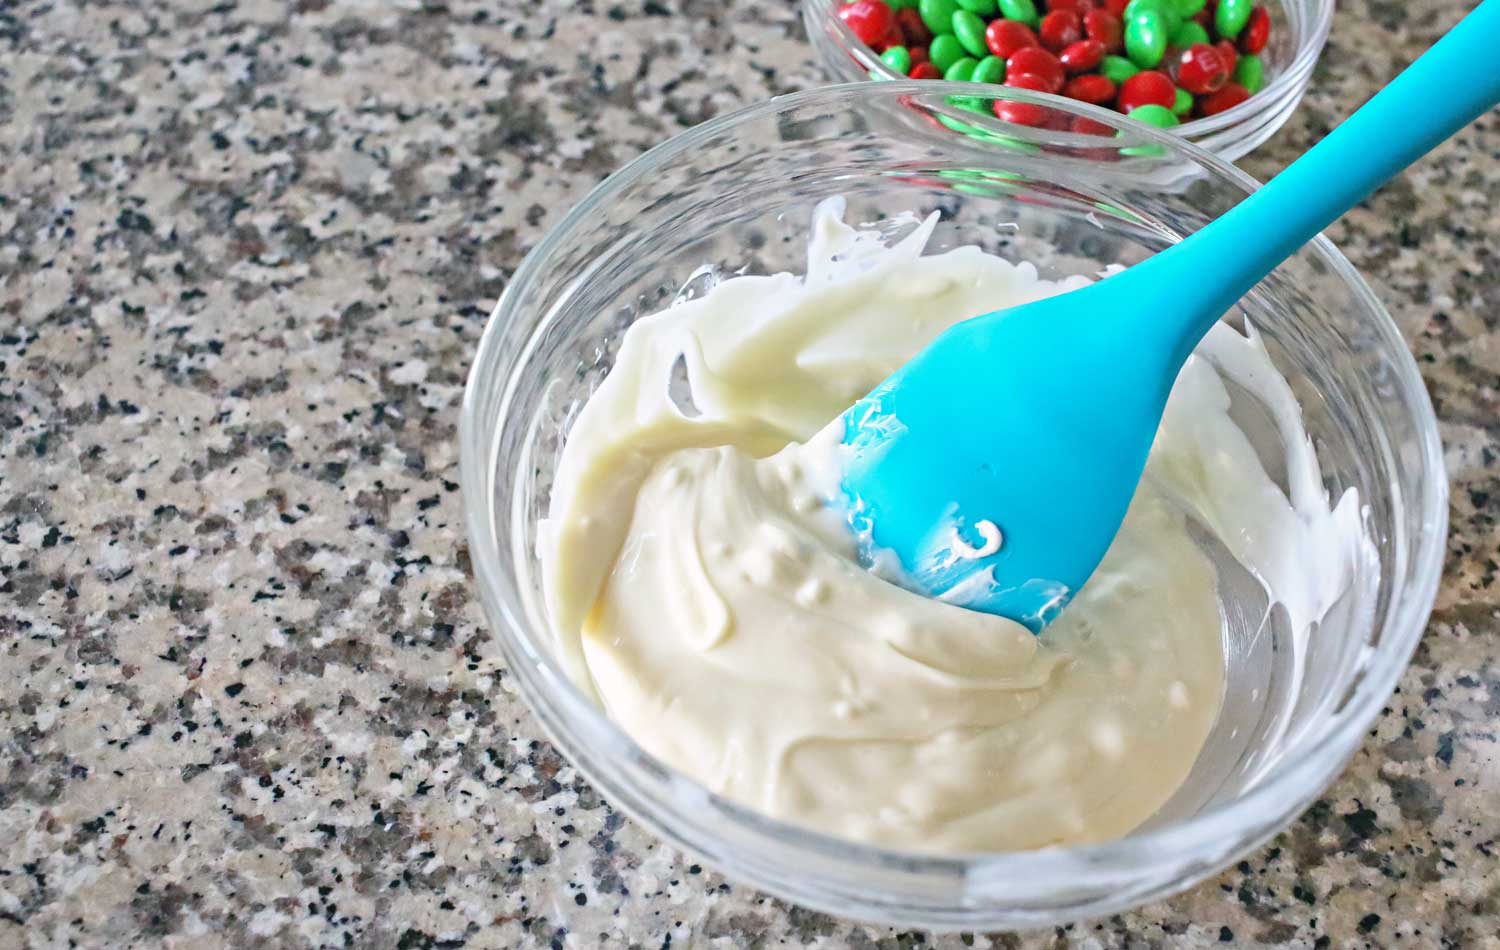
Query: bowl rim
[
  {"x": 1264, "y": 808},
  {"x": 1286, "y": 83}
]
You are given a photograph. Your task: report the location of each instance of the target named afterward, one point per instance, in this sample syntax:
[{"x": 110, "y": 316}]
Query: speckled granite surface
[{"x": 246, "y": 250}]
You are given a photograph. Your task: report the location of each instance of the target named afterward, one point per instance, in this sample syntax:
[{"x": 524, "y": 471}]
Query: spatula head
[{"x": 997, "y": 465}]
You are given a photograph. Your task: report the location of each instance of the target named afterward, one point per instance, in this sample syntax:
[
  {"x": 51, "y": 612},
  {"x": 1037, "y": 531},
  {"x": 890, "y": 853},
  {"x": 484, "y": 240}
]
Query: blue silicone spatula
[{"x": 998, "y": 463}]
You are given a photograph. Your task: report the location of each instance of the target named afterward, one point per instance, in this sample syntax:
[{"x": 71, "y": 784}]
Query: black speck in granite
[{"x": 246, "y": 251}]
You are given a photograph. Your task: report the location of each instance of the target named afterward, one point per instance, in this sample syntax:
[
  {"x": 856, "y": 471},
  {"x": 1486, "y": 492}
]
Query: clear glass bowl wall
[
  {"x": 736, "y": 193},
  {"x": 1299, "y": 32}
]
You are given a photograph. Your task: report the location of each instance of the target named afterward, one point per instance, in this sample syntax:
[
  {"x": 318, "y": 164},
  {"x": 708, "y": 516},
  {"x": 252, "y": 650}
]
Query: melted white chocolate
[{"x": 702, "y": 583}]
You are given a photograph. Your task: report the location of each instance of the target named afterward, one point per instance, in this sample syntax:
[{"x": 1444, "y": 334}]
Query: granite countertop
[{"x": 246, "y": 252}]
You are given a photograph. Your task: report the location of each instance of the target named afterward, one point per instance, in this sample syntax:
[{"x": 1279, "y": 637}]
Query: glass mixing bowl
[
  {"x": 737, "y": 193},
  {"x": 1299, "y": 30}
]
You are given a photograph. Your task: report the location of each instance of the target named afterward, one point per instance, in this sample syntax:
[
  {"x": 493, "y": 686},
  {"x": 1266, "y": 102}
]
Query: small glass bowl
[
  {"x": 1299, "y": 30},
  {"x": 737, "y": 192}
]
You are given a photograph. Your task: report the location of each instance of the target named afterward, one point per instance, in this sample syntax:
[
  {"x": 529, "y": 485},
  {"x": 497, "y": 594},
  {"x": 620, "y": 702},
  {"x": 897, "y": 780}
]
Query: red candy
[
  {"x": 916, "y": 31},
  {"x": 1226, "y": 50},
  {"x": 918, "y": 54},
  {"x": 1023, "y": 113},
  {"x": 893, "y": 37},
  {"x": 1079, "y": 7},
  {"x": 1083, "y": 125},
  {"x": 1200, "y": 70},
  {"x": 1257, "y": 31},
  {"x": 869, "y": 19},
  {"x": 1082, "y": 56},
  {"x": 1116, "y": 8},
  {"x": 925, "y": 70},
  {"x": 1035, "y": 61},
  {"x": 1060, "y": 29},
  {"x": 1093, "y": 88},
  {"x": 1231, "y": 95},
  {"x": 1105, "y": 27},
  {"x": 1147, "y": 87},
  {"x": 1005, "y": 37}
]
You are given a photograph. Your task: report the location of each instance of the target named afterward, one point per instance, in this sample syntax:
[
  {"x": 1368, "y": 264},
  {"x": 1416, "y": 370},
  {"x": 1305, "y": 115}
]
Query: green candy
[
  {"x": 981, "y": 7},
  {"x": 961, "y": 69},
  {"x": 1153, "y": 114},
  {"x": 944, "y": 51},
  {"x": 938, "y": 15},
  {"x": 898, "y": 58},
  {"x": 1149, "y": 150},
  {"x": 970, "y": 31},
  {"x": 1183, "y": 103},
  {"x": 973, "y": 131},
  {"x": 1186, "y": 8},
  {"x": 1146, "y": 38},
  {"x": 990, "y": 69},
  {"x": 1231, "y": 17},
  {"x": 1023, "y": 10},
  {"x": 1117, "y": 69},
  {"x": 1250, "y": 73},
  {"x": 1189, "y": 33},
  {"x": 1166, "y": 8},
  {"x": 900, "y": 4}
]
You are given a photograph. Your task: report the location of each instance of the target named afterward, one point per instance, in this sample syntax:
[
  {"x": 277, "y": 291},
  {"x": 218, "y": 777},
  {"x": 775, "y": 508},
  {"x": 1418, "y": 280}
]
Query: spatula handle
[{"x": 1449, "y": 86}]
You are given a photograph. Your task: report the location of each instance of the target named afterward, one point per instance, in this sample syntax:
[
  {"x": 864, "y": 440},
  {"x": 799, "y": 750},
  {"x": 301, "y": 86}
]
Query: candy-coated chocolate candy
[
  {"x": 918, "y": 55},
  {"x": 1004, "y": 37},
  {"x": 990, "y": 69},
  {"x": 1023, "y": 10},
  {"x": 913, "y": 27},
  {"x": 1035, "y": 61},
  {"x": 1105, "y": 27},
  {"x": 1257, "y": 31},
  {"x": 937, "y": 15},
  {"x": 1146, "y": 38},
  {"x": 1190, "y": 33},
  {"x": 1083, "y": 125},
  {"x": 1231, "y": 16},
  {"x": 944, "y": 51},
  {"x": 925, "y": 71},
  {"x": 869, "y": 19},
  {"x": 898, "y": 58},
  {"x": 1184, "y": 102},
  {"x": 1231, "y": 55},
  {"x": 1153, "y": 114},
  {"x": 1116, "y": 8},
  {"x": 1059, "y": 29},
  {"x": 1226, "y": 98},
  {"x": 1201, "y": 70},
  {"x": 1023, "y": 113},
  {"x": 961, "y": 69},
  {"x": 1167, "y": 10},
  {"x": 1149, "y": 87},
  {"x": 1082, "y": 56},
  {"x": 1079, "y": 7},
  {"x": 1188, "y": 8},
  {"x": 1250, "y": 73},
  {"x": 1118, "y": 69},
  {"x": 893, "y": 37},
  {"x": 981, "y": 7},
  {"x": 898, "y": 5},
  {"x": 1092, "y": 88},
  {"x": 970, "y": 32}
]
